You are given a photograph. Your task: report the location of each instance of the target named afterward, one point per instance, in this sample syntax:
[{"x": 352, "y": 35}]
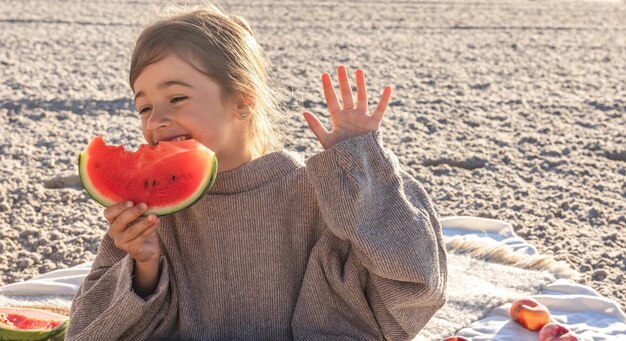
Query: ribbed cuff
[
  {"x": 125, "y": 281},
  {"x": 356, "y": 156}
]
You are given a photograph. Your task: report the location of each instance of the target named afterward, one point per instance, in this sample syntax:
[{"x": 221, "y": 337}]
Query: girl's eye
[
  {"x": 144, "y": 109},
  {"x": 178, "y": 99}
]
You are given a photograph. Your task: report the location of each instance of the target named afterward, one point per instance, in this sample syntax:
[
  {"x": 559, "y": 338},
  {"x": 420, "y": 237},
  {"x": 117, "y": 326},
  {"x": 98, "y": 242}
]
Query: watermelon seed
[
  {"x": 153, "y": 183},
  {"x": 145, "y": 184},
  {"x": 173, "y": 177}
]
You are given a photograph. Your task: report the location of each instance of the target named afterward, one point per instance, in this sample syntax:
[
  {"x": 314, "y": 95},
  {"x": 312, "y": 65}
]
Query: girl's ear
[{"x": 245, "y": 103}]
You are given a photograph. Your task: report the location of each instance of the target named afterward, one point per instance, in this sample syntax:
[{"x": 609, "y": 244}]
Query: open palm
[{"x": 348, "y": 119}]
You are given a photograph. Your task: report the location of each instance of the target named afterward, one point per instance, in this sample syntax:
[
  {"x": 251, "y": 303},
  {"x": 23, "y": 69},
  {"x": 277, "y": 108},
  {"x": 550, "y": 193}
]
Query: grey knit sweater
[{"x": 344, "y": 246}]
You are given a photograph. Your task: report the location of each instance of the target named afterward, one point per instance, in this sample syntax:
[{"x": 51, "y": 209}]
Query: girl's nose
[{"x": 158, "y": 119}]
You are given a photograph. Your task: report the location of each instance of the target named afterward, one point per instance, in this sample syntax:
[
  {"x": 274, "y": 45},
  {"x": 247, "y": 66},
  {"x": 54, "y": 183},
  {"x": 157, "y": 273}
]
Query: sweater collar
[{"x": 256, "y": 173}]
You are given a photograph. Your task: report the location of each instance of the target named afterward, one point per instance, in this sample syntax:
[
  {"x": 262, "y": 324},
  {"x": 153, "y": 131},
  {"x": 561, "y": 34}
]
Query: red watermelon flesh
[
  {"x": 30, "y": 324},
  {"x": 24, "y": 322},
  {"x": 168, "y": 177}
]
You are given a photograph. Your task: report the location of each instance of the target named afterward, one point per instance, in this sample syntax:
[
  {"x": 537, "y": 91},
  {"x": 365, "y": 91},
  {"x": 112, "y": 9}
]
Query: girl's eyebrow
[{"x": 164, "y": 85}]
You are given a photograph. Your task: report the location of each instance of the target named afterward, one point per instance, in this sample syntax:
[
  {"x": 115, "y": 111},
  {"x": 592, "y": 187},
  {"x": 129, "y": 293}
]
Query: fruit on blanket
[
  {"x": 530, "y": 313},
  {"x": 556, "y": 332},
  {"x": 168, "y": 177},
  {"x": 31, "y": 324},
  {"x": 455, "y": 338}
]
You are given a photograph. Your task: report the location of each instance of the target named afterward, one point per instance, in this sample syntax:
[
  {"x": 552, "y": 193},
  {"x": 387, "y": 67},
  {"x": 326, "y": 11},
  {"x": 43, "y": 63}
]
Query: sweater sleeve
[
  {"x": 379, "y": 270},
  {"x": 106, "y": 307}
]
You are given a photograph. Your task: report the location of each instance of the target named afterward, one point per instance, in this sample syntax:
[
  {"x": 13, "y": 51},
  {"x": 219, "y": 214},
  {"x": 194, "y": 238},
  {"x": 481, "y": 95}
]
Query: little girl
[{"x": 344, "y": 245}]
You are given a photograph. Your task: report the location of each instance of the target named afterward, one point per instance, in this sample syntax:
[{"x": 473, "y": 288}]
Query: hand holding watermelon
[
  {"x": 352, "y": 119},
  {"x": 133, "y": 233}
]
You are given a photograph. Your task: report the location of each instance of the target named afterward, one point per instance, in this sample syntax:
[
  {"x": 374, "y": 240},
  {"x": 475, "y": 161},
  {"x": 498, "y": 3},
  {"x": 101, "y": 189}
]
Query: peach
[
  {"x": 556, "y": 332},
  {"x": 530, "y": 313},
  {"x": 455, "y": 338}
]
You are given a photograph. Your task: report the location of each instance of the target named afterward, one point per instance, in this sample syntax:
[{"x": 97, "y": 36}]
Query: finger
[
  {"x": 137, "y": 228},
  {"x": 361, "y": 91},
  {"x": 125, "y": 218},
  {"x": 344, "y": 88},
  {"x": 111, "y": 212},
  {"x": 318, "y": 128},
  {"x": 379, "y": 112},
  {"x": 330, "y": 94}
]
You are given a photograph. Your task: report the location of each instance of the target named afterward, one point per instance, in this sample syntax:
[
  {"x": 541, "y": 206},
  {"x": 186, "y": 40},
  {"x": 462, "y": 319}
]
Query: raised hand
[{"x": 348, "y": 119}]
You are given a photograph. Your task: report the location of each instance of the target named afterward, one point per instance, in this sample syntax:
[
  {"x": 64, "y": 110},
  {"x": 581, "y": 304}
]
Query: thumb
[{"x": 318, "y": 128}]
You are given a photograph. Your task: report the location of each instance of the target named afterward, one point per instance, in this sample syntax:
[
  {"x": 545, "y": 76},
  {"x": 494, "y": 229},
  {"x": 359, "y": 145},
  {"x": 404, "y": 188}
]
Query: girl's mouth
[{"x": 172, "y": 139}]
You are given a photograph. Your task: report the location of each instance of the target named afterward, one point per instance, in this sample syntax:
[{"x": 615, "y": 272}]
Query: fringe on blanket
[
  {"x": 47, "y": 307},
  {"x": 503, "y": 255}
]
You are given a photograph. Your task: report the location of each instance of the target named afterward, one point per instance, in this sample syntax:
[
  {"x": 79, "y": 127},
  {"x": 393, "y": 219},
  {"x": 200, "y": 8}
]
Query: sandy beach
[{"x": 514, "y": 110}]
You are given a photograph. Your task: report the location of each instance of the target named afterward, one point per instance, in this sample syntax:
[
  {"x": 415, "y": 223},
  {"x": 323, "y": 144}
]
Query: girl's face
[{"x": 177, "y": 101}]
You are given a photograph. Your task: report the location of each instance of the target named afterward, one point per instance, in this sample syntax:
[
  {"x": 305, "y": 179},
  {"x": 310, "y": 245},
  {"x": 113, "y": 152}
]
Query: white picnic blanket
[
  {"x": 583, "y": 310},
  {"x": 479, "y": 290}
]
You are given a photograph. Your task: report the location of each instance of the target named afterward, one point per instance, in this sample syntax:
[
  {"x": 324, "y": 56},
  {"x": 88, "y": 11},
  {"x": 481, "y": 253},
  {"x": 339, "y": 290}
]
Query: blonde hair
[{"x": 224, "y": 48}]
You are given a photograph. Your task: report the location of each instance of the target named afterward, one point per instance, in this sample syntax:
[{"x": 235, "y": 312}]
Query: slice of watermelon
[
  {"x": 168, "y": 177},
  {"x": 31, "y": 324}
]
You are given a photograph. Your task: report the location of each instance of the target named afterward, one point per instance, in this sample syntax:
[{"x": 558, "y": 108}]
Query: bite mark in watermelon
[
  {"x": 31, "y": 324},
  {"x": 168, "y": 177}
]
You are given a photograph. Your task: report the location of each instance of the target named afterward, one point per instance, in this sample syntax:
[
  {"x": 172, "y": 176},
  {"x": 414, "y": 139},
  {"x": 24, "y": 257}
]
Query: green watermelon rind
[
  {"x": 93, "y": 193},
  {"x": 163, "y": 211},
  {"x": 34, "y": 335}
]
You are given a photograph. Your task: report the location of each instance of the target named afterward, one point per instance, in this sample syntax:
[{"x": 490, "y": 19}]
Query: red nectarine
[
  {"x": 455, "y": 338},
  {"x": 556, "y": 332},
  {"x": 530, "y": 313}
]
